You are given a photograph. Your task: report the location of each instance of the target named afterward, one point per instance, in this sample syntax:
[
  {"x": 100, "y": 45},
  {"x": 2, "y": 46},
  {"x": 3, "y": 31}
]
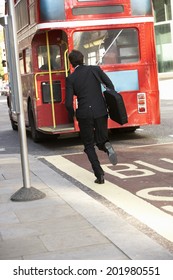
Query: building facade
[{"x": 163, "y": 13}]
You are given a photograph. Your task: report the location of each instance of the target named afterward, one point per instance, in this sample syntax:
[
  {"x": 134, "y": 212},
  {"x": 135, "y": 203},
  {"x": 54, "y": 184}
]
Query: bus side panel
[
  {"x": 148, "y": 78},
  {"x": 138, "y": 82},
  {"x": 28, "y": 92}
]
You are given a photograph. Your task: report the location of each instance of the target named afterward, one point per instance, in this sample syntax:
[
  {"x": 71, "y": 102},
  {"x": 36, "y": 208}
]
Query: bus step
[{"x": 59, "y": 128}]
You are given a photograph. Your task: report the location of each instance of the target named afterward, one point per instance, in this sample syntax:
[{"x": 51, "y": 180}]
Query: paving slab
[
  {"x": 16, "y": 248},
  {"x": 92, "y": 252}
]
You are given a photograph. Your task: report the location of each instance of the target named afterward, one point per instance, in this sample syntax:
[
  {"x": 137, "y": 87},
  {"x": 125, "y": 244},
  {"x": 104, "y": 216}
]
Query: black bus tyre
[
  {"x": 131, "y": 129},
  {"x": 14, "y": 125},
  {"x": 36, "y": 135},
  {"x": 124, "y": 129}
]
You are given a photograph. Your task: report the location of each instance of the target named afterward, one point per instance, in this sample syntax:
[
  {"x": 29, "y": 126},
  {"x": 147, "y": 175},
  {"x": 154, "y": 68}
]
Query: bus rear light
[{"x": 141, "y": 101}]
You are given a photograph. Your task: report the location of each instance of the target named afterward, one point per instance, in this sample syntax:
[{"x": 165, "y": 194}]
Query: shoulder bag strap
[{"x": 98, "y": 78}]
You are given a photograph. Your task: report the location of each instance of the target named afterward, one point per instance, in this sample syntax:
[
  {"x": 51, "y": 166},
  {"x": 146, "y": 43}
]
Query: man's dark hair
[{"x": 76, "y": 58}]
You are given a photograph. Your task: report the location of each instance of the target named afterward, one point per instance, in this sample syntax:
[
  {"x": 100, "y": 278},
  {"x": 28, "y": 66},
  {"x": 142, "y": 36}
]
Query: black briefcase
[
  {"x": 116, "y": 106},
  {"x": 115, "y": 103}
]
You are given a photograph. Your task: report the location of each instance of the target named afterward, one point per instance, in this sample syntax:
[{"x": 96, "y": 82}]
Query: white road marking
[
  {"x": 2, "y": 149},
  {"x": 168, "y": 208},
  {"x": 147, "y": 194},
  {"x": 126, "y": 170},
  {"x": 151, "y": 145},
  {"x": 148, "y": 214},
  {"x": 154, "y": 167}
]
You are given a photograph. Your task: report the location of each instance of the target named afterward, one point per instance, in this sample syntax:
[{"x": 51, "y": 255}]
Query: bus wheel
[
  {"x": 14, "y": 125},
  {"x": 124, "y": 129},
  {"x": 131, "y": 129},
  {"x": 36, "y": 135}
]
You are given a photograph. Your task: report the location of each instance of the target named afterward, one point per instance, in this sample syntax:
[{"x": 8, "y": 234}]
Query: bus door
[{"x": 51, "y": 69}]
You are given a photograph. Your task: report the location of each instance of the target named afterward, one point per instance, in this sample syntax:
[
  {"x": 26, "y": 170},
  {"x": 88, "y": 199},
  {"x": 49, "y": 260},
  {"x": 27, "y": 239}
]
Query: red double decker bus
[{"x": 117, "y": 35}]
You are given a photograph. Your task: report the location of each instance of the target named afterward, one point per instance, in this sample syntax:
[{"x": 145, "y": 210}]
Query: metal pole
[
  {"x": 26, "y": 192},
  {"x": 20, "y": 114}
]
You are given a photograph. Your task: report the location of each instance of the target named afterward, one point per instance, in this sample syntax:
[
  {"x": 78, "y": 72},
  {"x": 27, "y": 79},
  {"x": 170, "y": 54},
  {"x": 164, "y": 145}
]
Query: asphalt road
[{"x": 143, "y": 136}]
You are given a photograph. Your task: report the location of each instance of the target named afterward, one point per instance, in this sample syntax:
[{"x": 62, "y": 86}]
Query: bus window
[
  {"x": 28, "y": 61},
  {"x": 21, "y": 63},
  {"x": 143, "y": 7},
  {"x": 54, "y": 57},
  {"x": 116, "y": 46}
]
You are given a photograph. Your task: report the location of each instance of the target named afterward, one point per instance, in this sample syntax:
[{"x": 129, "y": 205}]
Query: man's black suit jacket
[{"x": 83, "y": 83}]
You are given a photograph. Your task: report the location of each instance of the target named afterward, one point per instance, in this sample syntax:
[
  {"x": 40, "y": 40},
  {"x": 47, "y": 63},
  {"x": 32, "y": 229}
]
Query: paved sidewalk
[{"x": 66, "y": 224}]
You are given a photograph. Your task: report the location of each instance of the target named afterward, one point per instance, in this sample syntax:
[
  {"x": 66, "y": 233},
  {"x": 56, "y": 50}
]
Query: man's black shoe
[
  {"x": 111, "y": 153},
  {"x": 100, "y": 180}
]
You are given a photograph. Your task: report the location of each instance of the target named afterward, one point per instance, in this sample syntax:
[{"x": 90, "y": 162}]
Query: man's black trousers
[{"x": 94, "y": 131}]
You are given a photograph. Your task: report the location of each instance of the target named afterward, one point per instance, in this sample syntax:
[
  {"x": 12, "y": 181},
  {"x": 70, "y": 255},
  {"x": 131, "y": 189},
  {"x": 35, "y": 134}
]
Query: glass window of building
[
  {"x": 164, "y": 47},
  {"x": 164, "y": 34},
  {"x": 162, "y": 10}
]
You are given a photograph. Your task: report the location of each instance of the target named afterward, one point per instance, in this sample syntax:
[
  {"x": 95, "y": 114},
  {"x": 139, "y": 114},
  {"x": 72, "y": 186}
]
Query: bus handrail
[
  {"x": 44, "y": 73},
  {"x": 50, "y": 80},
  {"x": 67, "y": 66}
]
